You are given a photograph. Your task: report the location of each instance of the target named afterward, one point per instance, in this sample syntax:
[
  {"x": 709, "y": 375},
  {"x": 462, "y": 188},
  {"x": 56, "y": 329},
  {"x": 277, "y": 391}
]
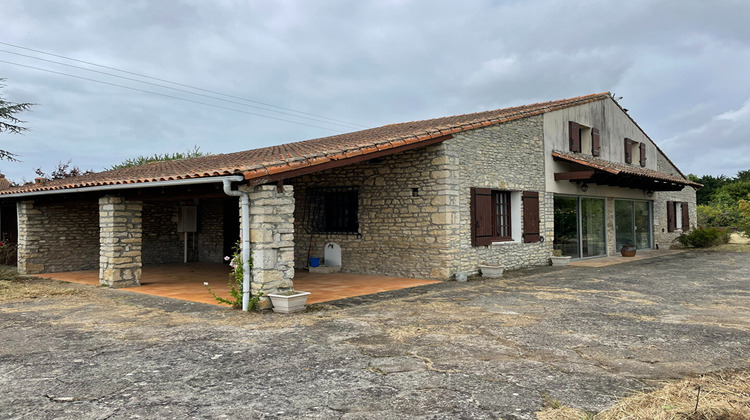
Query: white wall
[{"x": 614, "y": 126}]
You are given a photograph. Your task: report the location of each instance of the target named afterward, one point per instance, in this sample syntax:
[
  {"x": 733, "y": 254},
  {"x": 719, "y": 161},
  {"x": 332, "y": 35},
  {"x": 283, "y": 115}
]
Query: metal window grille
[
  {"x": 332, "y": 210},
  {"x": 501, "y": 200}
]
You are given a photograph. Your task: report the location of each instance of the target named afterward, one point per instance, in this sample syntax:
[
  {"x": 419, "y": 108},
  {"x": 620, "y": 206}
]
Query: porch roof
[
  {"x": 292, "y": 159},
  {"x": 604, "y": 172}
]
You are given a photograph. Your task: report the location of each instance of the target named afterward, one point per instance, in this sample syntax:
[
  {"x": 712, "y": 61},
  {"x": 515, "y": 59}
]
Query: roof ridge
[{"x": 259, "y": 162}]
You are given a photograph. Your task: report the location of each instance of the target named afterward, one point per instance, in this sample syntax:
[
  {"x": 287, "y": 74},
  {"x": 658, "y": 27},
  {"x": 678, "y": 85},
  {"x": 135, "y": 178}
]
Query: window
[
  {"x": 332, "y": 210},
  {"x": 496, "y": 216},
  {"x": 583, "y": 138},
  {"x": 501, "y": 215},
  {"x": 678, "y": 216}
]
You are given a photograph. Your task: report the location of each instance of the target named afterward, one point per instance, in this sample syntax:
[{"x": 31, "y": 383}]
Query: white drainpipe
[{"x": 245, "y": 205}]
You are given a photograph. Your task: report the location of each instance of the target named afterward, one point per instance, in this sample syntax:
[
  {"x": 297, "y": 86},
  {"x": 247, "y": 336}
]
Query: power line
[
  {"x": 165, "y": 95},
  {"x": 178, "y": 84},
  {"x": 171, "y": 88}
]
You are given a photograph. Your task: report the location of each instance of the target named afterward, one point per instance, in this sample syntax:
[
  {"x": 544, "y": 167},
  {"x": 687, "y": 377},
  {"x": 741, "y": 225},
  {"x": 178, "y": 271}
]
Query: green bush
[
  {"x": 719, "y": 214},
  {"x": 704, "y": 237}
]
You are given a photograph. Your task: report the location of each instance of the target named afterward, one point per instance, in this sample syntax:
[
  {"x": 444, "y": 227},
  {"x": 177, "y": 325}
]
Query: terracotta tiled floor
[
  {"x": 185, "y": 281},
  {"x": 618, "y": 259}
]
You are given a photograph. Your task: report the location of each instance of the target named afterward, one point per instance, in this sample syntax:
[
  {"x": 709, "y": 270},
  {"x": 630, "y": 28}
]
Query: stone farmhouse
[{"x": 423, "y": 199}]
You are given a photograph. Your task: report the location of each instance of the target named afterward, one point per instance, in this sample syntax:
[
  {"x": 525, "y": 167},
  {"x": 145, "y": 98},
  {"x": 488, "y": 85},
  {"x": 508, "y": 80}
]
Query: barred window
[{"x": 332, "y": 210}]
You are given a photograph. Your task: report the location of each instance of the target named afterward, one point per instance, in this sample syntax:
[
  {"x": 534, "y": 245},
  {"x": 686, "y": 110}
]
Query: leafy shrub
[
  {"x": 236, "y": 280},
  {"x": 719, "y": 214},
  {"x": 744, "y": 223},
  {"x": 704, "y": 237}
]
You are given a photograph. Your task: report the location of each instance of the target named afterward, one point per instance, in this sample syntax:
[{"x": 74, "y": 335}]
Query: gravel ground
[{"x": 482, "y": 349}]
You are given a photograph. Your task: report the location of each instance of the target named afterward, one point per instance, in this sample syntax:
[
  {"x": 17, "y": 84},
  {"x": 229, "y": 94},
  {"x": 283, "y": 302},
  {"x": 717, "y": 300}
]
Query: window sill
[{"x": 501, "y": 243}]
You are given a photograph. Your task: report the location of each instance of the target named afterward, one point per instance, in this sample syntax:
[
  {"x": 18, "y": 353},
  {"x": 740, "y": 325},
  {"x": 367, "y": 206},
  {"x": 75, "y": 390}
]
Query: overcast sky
[{"x": 681, "y": 66}]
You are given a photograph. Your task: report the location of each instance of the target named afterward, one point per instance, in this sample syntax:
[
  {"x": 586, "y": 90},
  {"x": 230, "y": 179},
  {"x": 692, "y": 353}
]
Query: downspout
[{"x": 245, "y": 212}]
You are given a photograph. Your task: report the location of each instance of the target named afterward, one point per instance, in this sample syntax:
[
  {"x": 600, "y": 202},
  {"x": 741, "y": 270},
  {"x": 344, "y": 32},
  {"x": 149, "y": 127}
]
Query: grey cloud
[{"x": 679, "y": 64}]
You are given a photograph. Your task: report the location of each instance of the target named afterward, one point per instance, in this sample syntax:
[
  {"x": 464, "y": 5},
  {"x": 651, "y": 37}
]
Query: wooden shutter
[
  {"x": 596, "y": 145},
  {"x": 671, "y": 221},
  {"x": 531, "y": 216},
  {"x": 628, "y": 150},
  {"x": 574, "y": 133},
  {"x": 642, "y": 147},
  {"x": 685, "y": 217},
  {"x": 481, "y": 216}
]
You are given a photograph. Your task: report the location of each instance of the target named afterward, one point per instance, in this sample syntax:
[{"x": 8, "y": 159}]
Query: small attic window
[
  {"x": 630, "y": 146},
  {"x": 580, "y": 137}
]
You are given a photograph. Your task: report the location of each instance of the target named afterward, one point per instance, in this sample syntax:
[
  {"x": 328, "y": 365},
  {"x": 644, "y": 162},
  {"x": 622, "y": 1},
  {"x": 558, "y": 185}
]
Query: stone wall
[
  {"x": 211, "y": 230},
  {"x": 506, "y": 157},
  {"x": 162, "y": 244},
  {"x": 120, "y": 238},
  {"x": 272, "y": 239},
  {"x": 662, "y": 237},
  {"x": 61, "y": 236},
  {"x": 399, "y": 234}
]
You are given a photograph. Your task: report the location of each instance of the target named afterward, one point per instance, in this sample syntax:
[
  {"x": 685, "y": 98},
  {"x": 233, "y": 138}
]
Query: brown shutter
[
  {"x": 628, "y": 150},
  {"x": 671, "y": 221},
  {"x": 531, "y": 216},
  {"x": 642, "y": 146},
  {"x": 685, "y": 217},
  {"x": 574, "y": 132},
  {"x": 595, "y": 142},
  {"x": 481, "y": 216}
]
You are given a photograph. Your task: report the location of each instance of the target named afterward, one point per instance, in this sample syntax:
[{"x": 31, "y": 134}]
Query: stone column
[
  {"x": 120, "y": 237},
  {"x": 30, "y": 229},
  {"x": 272, "y": 239}
]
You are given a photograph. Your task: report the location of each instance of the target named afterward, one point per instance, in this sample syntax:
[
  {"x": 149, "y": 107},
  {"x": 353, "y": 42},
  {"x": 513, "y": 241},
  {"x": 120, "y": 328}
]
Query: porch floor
[
  {"x": 185, "y": 281},
  {"x": 619, "y": 259}
]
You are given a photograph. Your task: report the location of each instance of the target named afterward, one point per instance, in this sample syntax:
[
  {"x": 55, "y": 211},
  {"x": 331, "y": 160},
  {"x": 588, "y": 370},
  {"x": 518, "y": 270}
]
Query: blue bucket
[{"x": 314, "y": 262}]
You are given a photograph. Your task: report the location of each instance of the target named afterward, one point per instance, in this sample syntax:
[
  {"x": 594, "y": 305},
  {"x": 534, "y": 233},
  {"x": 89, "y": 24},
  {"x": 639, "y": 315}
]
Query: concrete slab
[{"x": 483, "y": 349}]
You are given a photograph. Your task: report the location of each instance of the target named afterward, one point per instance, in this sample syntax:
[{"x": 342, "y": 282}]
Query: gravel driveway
[{"x": 482, "y": 349}]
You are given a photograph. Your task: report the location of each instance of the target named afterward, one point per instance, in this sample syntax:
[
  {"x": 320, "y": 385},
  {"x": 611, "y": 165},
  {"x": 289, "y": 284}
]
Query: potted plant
[
  {"x": 288, "y": 302},
  {"x": 491, "y": 271},
  {"x": 558, "y": 259}
]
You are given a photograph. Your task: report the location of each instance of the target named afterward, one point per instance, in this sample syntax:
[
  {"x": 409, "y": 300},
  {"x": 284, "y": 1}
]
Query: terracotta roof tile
[
  {"x": 621, "y": 168},
  {"x": 258, "y": 163}
]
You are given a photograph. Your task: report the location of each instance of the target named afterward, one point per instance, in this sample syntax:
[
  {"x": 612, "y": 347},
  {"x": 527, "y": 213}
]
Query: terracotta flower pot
[{"x": 628, "y": 251}]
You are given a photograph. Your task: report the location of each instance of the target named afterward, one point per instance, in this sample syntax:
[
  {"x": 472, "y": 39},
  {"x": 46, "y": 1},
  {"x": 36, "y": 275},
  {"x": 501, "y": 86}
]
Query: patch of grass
[
  {"x": 8, "y": 273},
  {"x": 17, "y": 288},
  {"x": 729, "y": 248},
  {"x": 723, "y": 396}
]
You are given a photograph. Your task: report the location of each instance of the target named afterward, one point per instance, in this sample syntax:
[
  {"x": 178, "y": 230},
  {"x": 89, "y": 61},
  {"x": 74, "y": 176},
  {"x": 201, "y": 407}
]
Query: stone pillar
[
  {"x": 30, "y": 230},
  {"x": 120, "y": 238},
  {"x": 271, "y": 239}
]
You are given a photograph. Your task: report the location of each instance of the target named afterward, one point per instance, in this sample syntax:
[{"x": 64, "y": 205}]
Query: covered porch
[{"x": 185, "y": 281}]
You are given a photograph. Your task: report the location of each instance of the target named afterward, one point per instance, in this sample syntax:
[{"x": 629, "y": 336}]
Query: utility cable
[
  {"x": 171, "y": 88},
  {"x": 166, "y": 96},
  {"x": 178, "y": 84}
]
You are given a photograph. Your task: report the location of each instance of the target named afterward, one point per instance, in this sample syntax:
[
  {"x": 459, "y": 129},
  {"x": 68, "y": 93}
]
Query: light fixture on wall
[
  {"x": 584, "y": 187},
  {"x": 649, "y": 193}
]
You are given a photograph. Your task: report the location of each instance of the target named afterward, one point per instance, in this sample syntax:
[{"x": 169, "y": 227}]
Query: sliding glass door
[
  {"x": 580, "y": 228},
  {"x": 632, "y": 224}
]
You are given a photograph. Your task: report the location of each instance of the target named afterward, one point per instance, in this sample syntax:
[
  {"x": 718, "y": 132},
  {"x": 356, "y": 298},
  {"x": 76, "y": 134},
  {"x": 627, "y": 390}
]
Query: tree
[
  {"x": 63, "y": 170},
  {"x": 9, "y": 121},
  {"x": 142, "y": 160}
]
